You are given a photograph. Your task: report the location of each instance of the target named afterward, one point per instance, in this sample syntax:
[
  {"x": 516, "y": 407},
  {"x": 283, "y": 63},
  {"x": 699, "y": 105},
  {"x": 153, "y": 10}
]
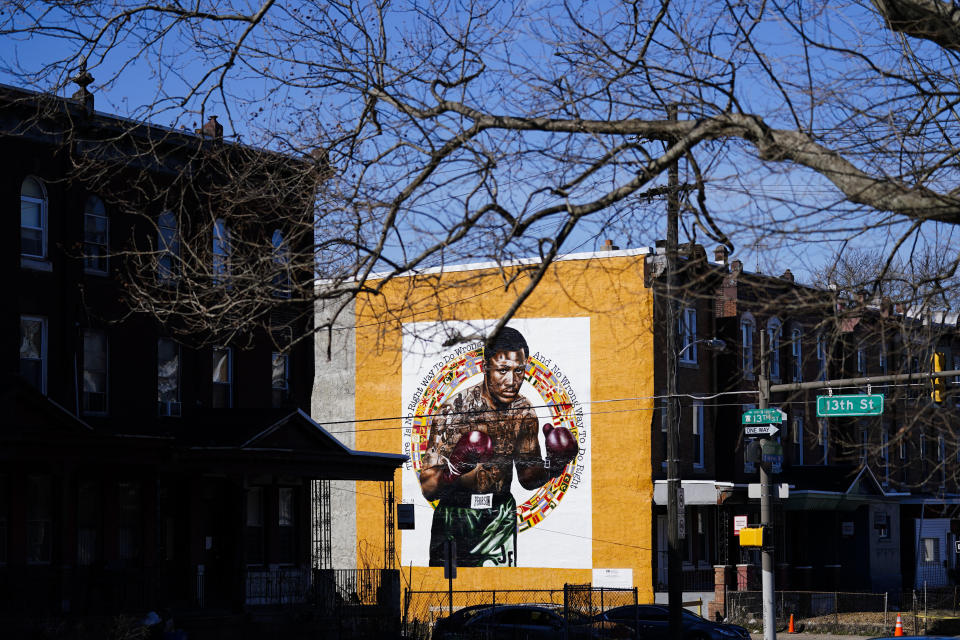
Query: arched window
[
  {"x": 747, "y": 327},
  {"x": 796, "y": 351},
  {"x": 33, "y": 218},
  {"x": 221, "y": 251},
  {"x": 281, "y": 264},
  {"x": 96, "y": 235},
  {"x": 168, "y": 245},
  {"x": 774, "y": 332}
]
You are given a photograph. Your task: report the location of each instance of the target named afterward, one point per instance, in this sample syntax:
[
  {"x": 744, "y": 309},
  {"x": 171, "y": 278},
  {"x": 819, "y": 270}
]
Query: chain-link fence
[
  {"x": 422, "y": 609},
  {"x": 816, "y": 611}
]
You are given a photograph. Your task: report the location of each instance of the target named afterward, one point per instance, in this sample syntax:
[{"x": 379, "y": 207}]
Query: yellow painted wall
[{"x": 610, "y": 291}]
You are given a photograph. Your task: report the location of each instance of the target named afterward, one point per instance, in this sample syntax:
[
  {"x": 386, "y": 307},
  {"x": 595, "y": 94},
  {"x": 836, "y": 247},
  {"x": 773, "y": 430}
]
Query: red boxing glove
[
  {"x": 561, "y": 448},
  {"x": 471, "y": 449}
]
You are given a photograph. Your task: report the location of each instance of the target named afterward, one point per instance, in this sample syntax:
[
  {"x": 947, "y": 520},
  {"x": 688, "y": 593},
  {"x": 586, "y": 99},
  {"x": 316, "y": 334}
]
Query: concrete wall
[{"x": 333, "y": 402}]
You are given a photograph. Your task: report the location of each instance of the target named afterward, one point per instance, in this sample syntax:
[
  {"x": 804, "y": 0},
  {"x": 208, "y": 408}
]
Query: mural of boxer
[{"x": 476, "y": 438}]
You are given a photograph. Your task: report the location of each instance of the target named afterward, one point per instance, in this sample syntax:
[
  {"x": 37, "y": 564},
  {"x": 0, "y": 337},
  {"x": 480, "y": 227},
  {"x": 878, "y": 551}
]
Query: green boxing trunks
[{"x": 484, "y": 537}]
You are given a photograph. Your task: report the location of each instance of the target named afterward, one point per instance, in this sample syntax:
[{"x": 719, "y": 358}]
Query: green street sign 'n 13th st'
[
  {"x": 858, "y": 405},
  {"x": 772, "y": 415}
]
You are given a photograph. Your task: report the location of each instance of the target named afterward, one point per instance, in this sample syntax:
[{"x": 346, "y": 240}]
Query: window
[
  {"x": 881, "y": 522},
  {"x": 281, "y": 379},
  {"x": 285, "y": 531},
  {"x": 88, "y": 523},
  {"x": 773, "y": 344},
  {"x": 221, "y": 252},
  {"x": 129, "y": 514},
  {"x": 821, "y": 357},
  {"x": 96, "y": 236},
  {"x": 796, "y": 351},
  {"x": 39, "y": 518},
  {"x": 94, "y": 371},
  {"x": 823, "y": 439},
  {"x": 930, "y": 548},
  {"x": 4, "y": 510},
  {"x": 797, "y": 439},
  {"x": 168, "y": 246},
  {"x": 687, "y": 332},
  {"x": 698, "y": 434},
  {"x": 281, "y": 264},
  {"x": 885, "y": 453},
  {"x": 222, "y": 377},
  {"x": 883, "y": 357},
  {"x": 33, "y": 219},
  {"x": 33, "y": 351},
  {"x": 254, "y": 525},
  {"x": 746, "y": 347},
  {"x": 168, "y": 377},
  {"x": 861, "y": 358}
]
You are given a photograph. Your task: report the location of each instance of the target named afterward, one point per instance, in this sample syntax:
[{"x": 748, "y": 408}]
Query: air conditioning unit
[{"x": 168, "y": 408}]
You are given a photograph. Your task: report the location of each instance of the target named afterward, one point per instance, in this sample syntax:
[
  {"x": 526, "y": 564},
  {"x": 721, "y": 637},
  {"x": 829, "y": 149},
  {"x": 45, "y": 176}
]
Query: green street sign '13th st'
[{"x": 858, "y": 405}]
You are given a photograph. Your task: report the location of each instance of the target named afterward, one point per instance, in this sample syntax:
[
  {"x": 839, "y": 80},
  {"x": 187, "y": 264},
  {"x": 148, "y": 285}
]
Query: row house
[{"x": 149, "y": 463}]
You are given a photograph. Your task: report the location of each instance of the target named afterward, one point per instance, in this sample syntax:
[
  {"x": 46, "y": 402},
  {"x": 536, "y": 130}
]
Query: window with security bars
[
  {"x": 254, "y": 537},
  {"x": 88, "y": 523},
  {"x": 95, "y": 358},
  {"x": 96, "y": 236},
  {"x": 130, "y": 531},
  {"x": 39, "y": 518}
]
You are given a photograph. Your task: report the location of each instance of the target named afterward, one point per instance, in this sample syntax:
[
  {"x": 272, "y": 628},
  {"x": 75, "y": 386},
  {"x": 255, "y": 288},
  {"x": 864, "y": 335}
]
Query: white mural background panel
[{"x": 560, "y": 347}]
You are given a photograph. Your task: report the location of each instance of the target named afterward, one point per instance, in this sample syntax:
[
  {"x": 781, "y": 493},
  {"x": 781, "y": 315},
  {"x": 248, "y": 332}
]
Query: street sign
[
  {"x": 857, "y": 405},
  {"x": 763, "y": 416},
  {"x": 761, "y": 430},
  {"x": 739, "y": 522}
]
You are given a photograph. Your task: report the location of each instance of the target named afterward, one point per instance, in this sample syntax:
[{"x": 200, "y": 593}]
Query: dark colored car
[
  {"x": 523, "y": 622},
  {"x": 652, "y": 622}
]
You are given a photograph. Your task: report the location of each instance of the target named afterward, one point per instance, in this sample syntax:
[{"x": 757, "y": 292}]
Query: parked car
[
  {"x": 652, "y": 622},
  {"x": 524, "y": 622}
]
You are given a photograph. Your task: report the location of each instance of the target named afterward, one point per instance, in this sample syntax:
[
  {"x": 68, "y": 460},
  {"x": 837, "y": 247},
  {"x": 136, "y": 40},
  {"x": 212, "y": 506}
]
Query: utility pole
[
  {"x": 766, "y": 521},
  {"x": 674, "y": 568}
]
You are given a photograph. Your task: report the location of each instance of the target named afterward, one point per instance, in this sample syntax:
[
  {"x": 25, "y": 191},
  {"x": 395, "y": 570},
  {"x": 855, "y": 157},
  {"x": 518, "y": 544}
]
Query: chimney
[
  {"x": 212, "y": 129},
  {"x": 736, "y": 266},
  {"x": 787, "y": 275},
  {"x": 83, "y": 95},
  {"x": 609, "y": 246},
  {"x": 720, "y": 255}
]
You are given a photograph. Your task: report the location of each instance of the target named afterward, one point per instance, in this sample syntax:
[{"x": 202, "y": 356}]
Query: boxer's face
[{"x": 503, "y": 375}]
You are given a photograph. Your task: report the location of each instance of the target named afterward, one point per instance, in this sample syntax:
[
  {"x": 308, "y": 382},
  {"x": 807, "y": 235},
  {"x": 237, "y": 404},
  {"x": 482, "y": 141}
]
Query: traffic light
[{"x": 939, "y": 386}]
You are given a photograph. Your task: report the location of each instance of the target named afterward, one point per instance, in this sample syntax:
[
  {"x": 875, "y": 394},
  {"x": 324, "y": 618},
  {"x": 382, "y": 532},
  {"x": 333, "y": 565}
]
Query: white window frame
[
  {"x": 285, "y": 388},
  {"x": 821, "y": 357},
  {"x": 43, "y": 202},
  {"x": 171, "y": 407},
  {"x": 86, "y": 396},
  {"x": 797, "y": 437},
  {"x": 95, "y": 210},
  {"x": 774, "y": 334},
  {"x": 221, "y": 252},
  {"x": 885, "y": 453},
  {"x": 823, "y": 439},
  {"x": 796, "y": 350},
  {"x": 43, "y": 347},
  {"x": 687, "y": 332},
  {"x": 168, "y": 247},
  {"x": 229, "y": 382},
  {"x": 747, "y": 330},
  {"x": 697, "y": 424}
]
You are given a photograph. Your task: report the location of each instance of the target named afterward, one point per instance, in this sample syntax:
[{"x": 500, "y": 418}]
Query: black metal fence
[{"x": 422, "y": 609}]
